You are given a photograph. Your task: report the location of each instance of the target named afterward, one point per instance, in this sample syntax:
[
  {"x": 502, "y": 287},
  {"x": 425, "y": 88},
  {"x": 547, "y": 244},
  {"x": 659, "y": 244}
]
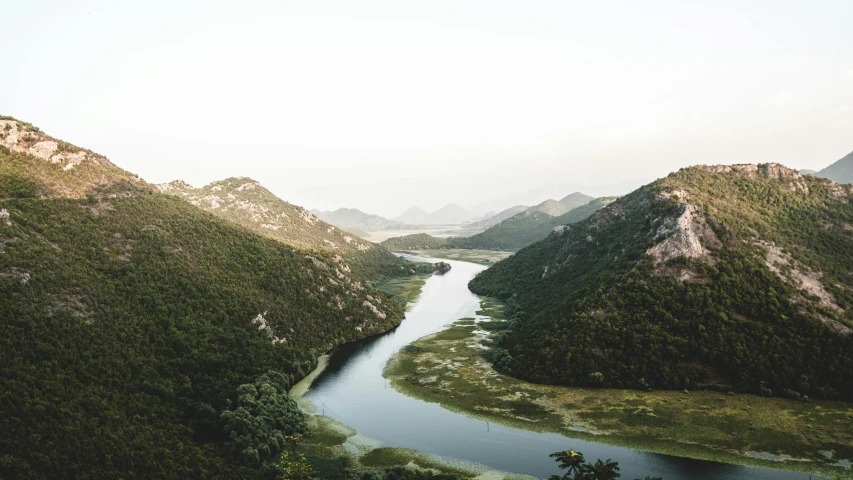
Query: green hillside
[
  {"x": 525, "y": 228},
  {"x": 415, "y": 241},
  {"x": 144, "y": 338},
  {"x": 733, "y": 278},
  {"x": 247, "y": 203}
]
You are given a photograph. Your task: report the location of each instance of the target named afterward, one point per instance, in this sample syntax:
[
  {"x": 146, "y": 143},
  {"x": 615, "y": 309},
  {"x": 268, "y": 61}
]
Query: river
[{"x": 353, "y": 392}]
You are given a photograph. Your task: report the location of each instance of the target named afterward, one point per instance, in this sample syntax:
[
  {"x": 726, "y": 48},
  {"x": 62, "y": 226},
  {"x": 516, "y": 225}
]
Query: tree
[
  {"x": 600, "y": 470},
  {"x": 294, "y": 465},
  {"x": 577, "y": 469},
  {"x": 571, "y": 460}
]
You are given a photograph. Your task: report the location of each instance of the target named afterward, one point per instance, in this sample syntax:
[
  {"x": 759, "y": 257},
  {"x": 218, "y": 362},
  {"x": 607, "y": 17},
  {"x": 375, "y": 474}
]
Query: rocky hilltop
[
  {"x": 729, "y": 277},
  {"x": 39, "y": 165}
]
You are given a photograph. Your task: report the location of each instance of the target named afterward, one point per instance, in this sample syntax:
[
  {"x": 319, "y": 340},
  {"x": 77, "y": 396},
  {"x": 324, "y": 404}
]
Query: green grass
[
  {"x": 448, "y": 368},
  {"x": 485, "y": 257},
  {"x": 406, "y": 288}
]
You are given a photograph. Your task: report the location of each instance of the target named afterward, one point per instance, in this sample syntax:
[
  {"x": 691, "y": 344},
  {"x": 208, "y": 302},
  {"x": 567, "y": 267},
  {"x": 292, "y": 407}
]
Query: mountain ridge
[
  {"x": 840, "y": 171},
  {"x": 246, "y": 202}
]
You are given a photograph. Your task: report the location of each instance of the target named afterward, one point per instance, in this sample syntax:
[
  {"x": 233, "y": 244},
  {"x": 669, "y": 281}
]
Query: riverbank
[
  {"x": 448, "y": 368},
  {"x": 331, "y": 446}
]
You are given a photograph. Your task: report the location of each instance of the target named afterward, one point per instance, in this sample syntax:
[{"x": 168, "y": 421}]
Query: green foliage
[
  {"x": 262, "y": 421},
  {"x": 596, "y": 303},
  {"x": 525, "y": 228},
  {"x": 415, "y": 241},
  {"x": 578, "y": 469},
  {"x": 127, "y": 326}
]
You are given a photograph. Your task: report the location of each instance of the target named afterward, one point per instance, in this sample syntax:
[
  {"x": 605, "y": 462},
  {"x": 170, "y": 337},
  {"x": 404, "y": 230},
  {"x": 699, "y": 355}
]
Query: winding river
[{"x": 352, "y": 391}]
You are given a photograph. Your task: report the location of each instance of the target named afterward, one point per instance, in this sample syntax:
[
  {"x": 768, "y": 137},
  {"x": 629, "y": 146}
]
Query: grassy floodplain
[
  {"x": 485, "y": 257},
  {"x": 407, "y": 288},
  {"x": 449, "y": 368},
  {"x": 332, "y": 446}
]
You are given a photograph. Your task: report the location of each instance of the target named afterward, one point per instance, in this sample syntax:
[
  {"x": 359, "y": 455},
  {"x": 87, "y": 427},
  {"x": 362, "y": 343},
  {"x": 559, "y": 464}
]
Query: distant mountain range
[
  {"x": 552, "y": 207},
  {"x": 450, "y": 214},
  {"x": 556, "y": 208},
  {"x": 527, "y": 227},
  {"x": 354, "y": 219},
  {"x": 840, "y": 171},
  {"x": 498, "y": 217}
]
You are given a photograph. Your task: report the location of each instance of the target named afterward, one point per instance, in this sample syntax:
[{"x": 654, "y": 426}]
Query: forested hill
[
  {"x": 415, "y": 241},
  {"x": 247, "y": 203},
  {"x": 722, "y": 277},
  {"x": 133, "y": 325},
  {"x": 525, "y": 228}
]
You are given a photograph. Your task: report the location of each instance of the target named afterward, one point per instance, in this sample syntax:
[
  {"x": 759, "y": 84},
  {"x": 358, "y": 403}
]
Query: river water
[{"x": 352, "y": 391}]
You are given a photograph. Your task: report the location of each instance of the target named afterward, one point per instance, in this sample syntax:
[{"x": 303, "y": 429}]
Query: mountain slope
[
  {"x": 413, "y": 216},
  {"x": 723, "y": 277},
  {"x": 556, "y": 208},
  {"x": 132, "y": 325},
  {"x": 247, "y": 203},
  {"x": 498, "y": 217},
  {"x": 525, "y": 228},
  {"x": 450, "y": 214},
  {"x": 39, "y": 164},
  {"x": 840, "y": 171},
  {"x": 352, "y": 218}
]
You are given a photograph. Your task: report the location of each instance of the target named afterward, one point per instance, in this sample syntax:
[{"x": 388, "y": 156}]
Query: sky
[{"x": 382, "y": 105}]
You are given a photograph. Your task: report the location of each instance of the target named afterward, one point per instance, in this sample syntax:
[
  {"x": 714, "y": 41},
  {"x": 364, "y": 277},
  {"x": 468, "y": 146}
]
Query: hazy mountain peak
[
  {"x": 840, "y": 171},
  {"x": 353, "y": 218}
]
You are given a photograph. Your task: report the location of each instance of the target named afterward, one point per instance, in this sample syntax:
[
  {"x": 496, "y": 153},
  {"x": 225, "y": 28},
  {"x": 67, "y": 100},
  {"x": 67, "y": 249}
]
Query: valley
[
  {"x": 226, "y": 332},
  {"x": 382, "y": 422}
]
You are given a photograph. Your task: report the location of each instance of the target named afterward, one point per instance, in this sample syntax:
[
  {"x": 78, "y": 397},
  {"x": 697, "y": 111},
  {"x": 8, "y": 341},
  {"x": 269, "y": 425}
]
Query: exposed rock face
[
  {"x": 802, "y": 278},
  {"x": 262, "y": 324},
  {"x": 4, "y": 217},
  {"x": 686, "y": 235},
  {"x": 77, "y": 172},
  {"x": 17, "y": 138}
]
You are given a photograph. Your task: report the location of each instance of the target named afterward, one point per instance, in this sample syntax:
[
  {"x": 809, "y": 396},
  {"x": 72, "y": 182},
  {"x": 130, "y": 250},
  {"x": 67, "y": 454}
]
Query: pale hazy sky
[{"x": 385, "y": 104}]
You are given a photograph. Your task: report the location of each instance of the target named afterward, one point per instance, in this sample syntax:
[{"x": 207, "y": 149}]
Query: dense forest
[
  {"x": 525, "y": 228},
  {"x": 734, "y": 278},
  {"x": 142, "y": 337}
]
